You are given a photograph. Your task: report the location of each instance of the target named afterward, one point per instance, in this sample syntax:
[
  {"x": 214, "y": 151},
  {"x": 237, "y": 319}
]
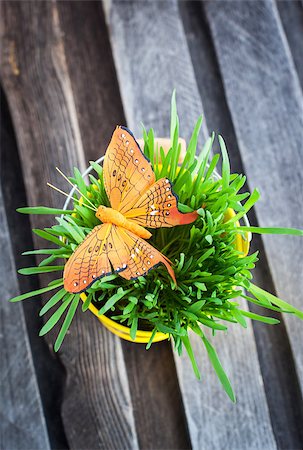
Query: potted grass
[{"x": 199, "y": 242}]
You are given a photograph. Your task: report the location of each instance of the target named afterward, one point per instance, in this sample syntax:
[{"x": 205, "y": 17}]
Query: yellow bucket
[{"x": 143, "y": 337}]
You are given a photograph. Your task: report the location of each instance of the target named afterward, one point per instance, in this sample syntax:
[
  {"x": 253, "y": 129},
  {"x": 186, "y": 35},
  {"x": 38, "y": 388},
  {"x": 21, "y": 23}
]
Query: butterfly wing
[
  {"x": 142, "y": 256},
  {"x": 102, "y": 252},
  {"x": 158, "y": 208},
  {"x": 109, "y": 249},
  {"x": 127, "y": 173},
  {"x": 132, "y": 189}
]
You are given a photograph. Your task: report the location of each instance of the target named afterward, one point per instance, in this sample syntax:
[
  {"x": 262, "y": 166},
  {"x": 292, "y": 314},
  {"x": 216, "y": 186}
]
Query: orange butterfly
[{"x": 137, "y": 201}]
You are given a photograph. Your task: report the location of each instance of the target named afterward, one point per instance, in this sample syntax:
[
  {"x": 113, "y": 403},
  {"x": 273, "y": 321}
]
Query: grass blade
[
  {"x": 225, "y": 164},
  {"x": 211, "y": 323},
  {"x": 151, "y": 339},
  {"x": 48, "y": 261},
  {"x": 262, "y": 295},
  {"x": 56, "y": 316},
  {"x": 259, "y": 230},
  {"x": 253, "y": 316},
  {"x": 67, "y": 321},
  {"x": 52, "y": 301},
  {"x": 192, "y": 145},
  {"x": 43, "y": 210},
  {"x": 112, "y": 300},
  {"x": 80, "y": 181},
  {"x": 212, "y": 166},
  {"x": 133, "y": 328},
  {"x": 40, "y": 269},
  {"x": 188, "y": 347},
  {"x": 49, "y": 237},
  {"x": 173, "y": 115},
  {"x": 72, "y": 230},
  {"x": 219, "y": 369},
  {"x": 87, "y": 302},
  {"x": 47, "y": 251},
  {"x": 18, "y": 298},
  {"x": 254, "y": 197},
  {"x": 97, "y": 168}
]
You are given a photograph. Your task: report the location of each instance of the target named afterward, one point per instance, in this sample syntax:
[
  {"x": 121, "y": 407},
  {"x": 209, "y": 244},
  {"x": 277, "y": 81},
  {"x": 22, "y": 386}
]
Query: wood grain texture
[
  {"x": 152, "y": 59},
  {"x": 22, "y": 419},
  {"x": 97, "y": 410},
  {"x": 155, "y": 391},
  {"x": 266, "y": 105},
  {"x": 274, "y": 351},
  {"x": 146, "y": 81},
  {"x": 244, "y": 425},
  {"x": 50, "y": 373},
  {"x": 96, "y": 90},
  {"x": 291, "y": 15},
  {"x": 207, "y": 74},
  {"x": 277, "y": 363}
]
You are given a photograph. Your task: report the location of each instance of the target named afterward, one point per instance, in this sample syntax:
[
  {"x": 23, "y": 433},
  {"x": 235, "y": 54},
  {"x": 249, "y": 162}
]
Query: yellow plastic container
[{"x": 143, "y": 337}]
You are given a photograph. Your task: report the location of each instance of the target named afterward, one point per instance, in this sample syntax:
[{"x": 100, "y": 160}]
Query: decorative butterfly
[{"x": 137, "y": 202}]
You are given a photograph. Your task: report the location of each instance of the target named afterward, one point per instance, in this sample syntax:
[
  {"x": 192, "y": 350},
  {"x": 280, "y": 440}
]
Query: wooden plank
[
  {"x": 208, "y": 80},
  {"x": 22, "y": 419},
  {"x": 161, "y": 423},
  {"x": 96, "y": 410},
  {"x": 146, "y": 79},
  {"x": 50, "y": 373},
  {"x": 142, "y": 62},
  {"x": 291, "y": 15},
  {"x": 95, "y": 89},
  {"x": 274, "y": 352},
  {"x": 266, "y": 108}
]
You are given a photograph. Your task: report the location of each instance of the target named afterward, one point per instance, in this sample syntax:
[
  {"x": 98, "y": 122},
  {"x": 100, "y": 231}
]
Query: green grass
[{"x": 211, "y": 274}]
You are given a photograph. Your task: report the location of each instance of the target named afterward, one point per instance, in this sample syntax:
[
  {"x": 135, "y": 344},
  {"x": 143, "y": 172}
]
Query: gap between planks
[
  {"x": 96, "y": 410},
  {"x": 274, "y": 352},
  {"x": 146, "y": 91}
]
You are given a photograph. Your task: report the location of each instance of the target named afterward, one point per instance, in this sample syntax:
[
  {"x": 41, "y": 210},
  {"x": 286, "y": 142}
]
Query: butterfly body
[
  {"x": 110, "y": 215},
  {"x": 137, "y": 201}
]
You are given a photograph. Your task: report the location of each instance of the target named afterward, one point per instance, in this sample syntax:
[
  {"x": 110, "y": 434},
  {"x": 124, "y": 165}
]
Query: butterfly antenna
[
  {"x": 76, "y": 188},
  {"x": 66, "y": 195}
]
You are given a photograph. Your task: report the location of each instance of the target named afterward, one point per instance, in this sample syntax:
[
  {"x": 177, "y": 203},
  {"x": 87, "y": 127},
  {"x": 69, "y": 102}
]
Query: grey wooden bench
[{"x": 69, "y": 73}]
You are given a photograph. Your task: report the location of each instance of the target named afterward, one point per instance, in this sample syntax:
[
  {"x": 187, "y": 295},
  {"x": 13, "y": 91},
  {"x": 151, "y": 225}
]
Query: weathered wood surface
[
  {"x": 266, "y": 105},
  {"x": 96, "y": 410},
  {"x": 95, "y": 89},
  {"x": 49, "y": 370},
  {"x": 22, "y": 423},
  {"x": 64, "y": 98},
  {"x": 274, "y": 352},
  {"x": 291, "y": 15},
  {"x": 152, "y": 59},
  {"x": 128, "y": 23},
  {"x": 156, "y": 397}
]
